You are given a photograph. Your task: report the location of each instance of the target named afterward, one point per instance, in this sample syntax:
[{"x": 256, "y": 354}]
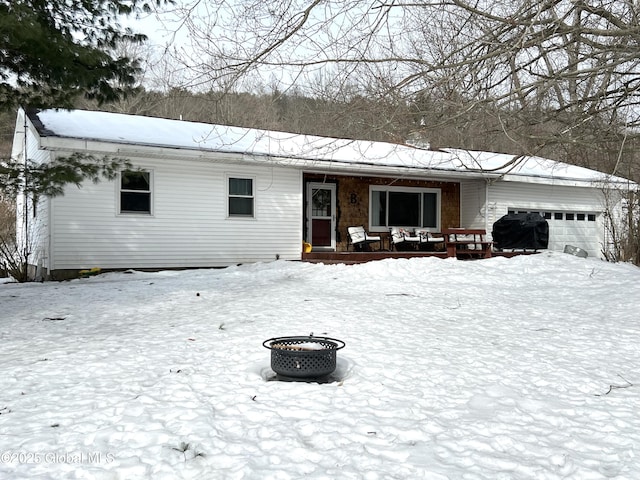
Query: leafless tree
[
  {"x": 10, "y": 253},
  {"x": 557, "y": 77}
]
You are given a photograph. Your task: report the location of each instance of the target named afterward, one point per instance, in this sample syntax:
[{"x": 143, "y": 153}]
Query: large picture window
[
  {"x": 404, "y": 207},
  {"x": 135, "y": 192},
  {"x": 241, "y": 198}
]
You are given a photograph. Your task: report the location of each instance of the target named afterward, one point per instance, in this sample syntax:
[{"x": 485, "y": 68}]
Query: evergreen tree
[{"x": 51, "y": 51}]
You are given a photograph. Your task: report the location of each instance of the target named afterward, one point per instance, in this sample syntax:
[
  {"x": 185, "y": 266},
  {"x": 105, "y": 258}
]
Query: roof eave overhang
[
  {"x": 349, "y": 168},
  {"x": 602, "y": 182},
  {"x": 127, "y": 150},
  {"x": 310, "y": 165}
]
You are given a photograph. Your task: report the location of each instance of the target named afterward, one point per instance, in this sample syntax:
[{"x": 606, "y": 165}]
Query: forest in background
[
  {"x": 442, "y": 122},
  {"x": 553, "y": 79}
]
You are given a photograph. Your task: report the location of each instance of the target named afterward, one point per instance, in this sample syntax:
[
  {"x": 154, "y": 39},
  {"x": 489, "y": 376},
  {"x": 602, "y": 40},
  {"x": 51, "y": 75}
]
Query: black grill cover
[{"x": 521, "y": 231}]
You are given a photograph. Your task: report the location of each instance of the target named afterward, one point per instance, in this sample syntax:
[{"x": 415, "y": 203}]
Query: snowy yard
[{"x": 523, "y": 368}]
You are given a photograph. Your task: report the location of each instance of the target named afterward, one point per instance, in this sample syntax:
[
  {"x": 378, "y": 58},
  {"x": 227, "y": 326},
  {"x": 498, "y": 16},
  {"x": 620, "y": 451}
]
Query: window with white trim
[
  {"x": 241, "y": 197},
  {"x": 135, "y": 192},
  {"x": 404, "y": 207}
]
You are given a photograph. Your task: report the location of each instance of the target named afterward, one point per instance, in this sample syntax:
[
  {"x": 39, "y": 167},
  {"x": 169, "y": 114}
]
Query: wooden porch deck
[{"x": 362, "y": 257}]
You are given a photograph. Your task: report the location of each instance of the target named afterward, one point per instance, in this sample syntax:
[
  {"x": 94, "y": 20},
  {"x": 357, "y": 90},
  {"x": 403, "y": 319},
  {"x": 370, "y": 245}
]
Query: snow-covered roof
[{"x": 148, "y": 134}]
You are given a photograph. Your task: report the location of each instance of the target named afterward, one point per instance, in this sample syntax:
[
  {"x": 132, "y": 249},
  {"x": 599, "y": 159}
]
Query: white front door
[{"x": 321, "y": 216}]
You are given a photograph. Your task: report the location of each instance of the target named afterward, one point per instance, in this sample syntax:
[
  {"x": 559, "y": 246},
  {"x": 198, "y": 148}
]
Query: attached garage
[
  {"x": 574, "y": 214},
  {"x": 578, "y": 229},
  {"x": 575, "y": 211}
]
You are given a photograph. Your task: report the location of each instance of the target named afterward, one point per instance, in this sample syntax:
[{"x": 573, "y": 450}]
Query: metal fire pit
[{"x": 303, "y": 357}]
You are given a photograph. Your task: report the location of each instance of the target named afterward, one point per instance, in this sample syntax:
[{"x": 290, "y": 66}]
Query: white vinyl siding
[
  {"x": 37, "y": 234},
  {"x": 472, "y": 205},
  {"x": 189, "y": 226}
]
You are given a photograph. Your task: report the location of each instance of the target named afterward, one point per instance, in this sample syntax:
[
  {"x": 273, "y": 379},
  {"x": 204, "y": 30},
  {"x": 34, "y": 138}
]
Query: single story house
[{"x": 201, "y": 195}]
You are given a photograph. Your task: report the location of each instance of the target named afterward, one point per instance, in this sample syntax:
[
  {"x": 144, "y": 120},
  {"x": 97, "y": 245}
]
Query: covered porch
[{"x": 333, "y": 203}]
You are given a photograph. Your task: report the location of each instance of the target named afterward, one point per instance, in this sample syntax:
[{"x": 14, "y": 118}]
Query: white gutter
[{"x": 310, "y": 164}]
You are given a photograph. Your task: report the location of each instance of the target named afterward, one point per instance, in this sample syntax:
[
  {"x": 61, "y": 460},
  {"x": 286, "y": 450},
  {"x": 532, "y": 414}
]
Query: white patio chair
[
  {"x": 361, "y": 240},
  {"x": 428, "y": 240},
  {"x": 401, "y": 239}
]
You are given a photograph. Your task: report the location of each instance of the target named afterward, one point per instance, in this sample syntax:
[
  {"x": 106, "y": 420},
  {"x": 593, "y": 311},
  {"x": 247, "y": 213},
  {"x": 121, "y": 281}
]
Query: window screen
[
  {"x": 241, "y": 197},
  {"x": 135, "y": 192}
]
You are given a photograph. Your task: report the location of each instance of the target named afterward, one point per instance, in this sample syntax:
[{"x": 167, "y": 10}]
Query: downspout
[
  {"x": 487, "y": 184},
  {"x": 25, "y": 194},
  {"x": 48, "y": 255}
]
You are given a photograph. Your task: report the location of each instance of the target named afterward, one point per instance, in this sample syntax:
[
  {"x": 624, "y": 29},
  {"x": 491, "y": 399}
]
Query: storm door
[{"x": 321, "y": 216}]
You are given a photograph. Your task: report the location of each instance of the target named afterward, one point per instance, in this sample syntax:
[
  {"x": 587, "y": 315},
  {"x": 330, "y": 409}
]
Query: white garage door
[
  {"x": 578, "y": 229},
  {"x": 571, "y": 228}
]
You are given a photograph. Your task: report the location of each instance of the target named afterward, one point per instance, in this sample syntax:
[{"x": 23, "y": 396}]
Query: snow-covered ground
[{"x": 523, "y": 368}]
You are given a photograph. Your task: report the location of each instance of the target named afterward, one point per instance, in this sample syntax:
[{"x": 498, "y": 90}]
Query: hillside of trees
[{"x": 441, "y": 122}]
